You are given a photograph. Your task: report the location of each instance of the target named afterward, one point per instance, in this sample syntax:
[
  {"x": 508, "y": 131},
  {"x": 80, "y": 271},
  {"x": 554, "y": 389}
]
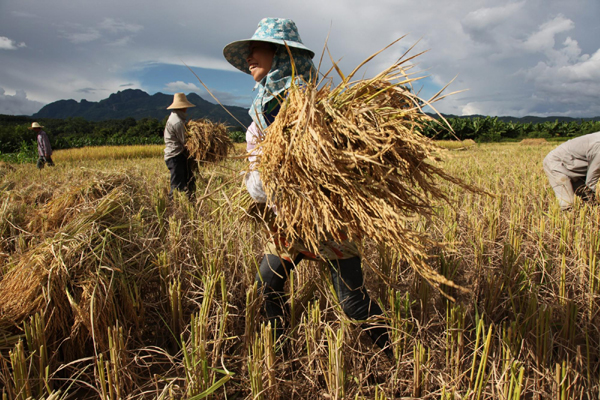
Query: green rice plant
[
  {"x": 334, "y": 370},
  {"x": 38, "y": 350},
  {"x": 563, "y": 381},
  {"x": 251, "y": 310},
  {"x": 477, "y": 381},
  {"x": 313, "y": 331},
  {"x": 261, "y": 363},
  {"x": 112, "y": 372},
  {"x": 222, "y": 334},
  {"x": 421, "y": 356},
  {"x": 543, "y": 335},
  {"x": 514, "y": 370},
  {"x": 21, "y": 388},
  {"x": 268, "y": 340},
  {"x": 202, "y": 379},
  {"x": 175, "y": 306},
  {"x": 455, "y": 340},
  {"x": 400, "y": 310},
  {"x": 255, "y": 357}
]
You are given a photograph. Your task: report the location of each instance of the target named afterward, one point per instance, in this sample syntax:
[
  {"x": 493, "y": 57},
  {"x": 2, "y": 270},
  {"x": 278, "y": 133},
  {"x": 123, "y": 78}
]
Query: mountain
[{"x": 139, "y": 104}]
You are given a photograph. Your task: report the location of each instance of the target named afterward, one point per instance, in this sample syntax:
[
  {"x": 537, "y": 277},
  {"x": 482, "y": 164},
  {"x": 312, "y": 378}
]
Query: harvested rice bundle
[
  {"x": 349, "y": 161},
  {"x": 207, "y": 141},
  {"x": 535, "y": 141},
  {"x": 75, "y": 276}
]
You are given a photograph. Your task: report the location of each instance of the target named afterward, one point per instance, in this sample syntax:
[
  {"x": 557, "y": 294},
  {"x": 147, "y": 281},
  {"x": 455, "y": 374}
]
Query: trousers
[
  {"x": 182, "y": 178},
  {"x": 348, "y": 282}
]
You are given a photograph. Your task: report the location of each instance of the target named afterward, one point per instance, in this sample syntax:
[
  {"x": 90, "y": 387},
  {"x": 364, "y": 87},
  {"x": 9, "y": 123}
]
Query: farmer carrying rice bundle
[
  {"x": 266, "y": 57},
  {"x": 176, "y": 154},
  {"x": 334, "y": 166}
]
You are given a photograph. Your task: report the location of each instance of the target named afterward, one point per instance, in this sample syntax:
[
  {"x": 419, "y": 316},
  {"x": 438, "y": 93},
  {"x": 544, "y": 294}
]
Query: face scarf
[{"x": 279, "y": 79}]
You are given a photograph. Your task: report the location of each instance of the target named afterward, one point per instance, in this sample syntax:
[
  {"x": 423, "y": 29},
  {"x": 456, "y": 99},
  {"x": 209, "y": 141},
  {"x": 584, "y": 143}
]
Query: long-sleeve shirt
[
  {"x": 44, "y": 148},
  {"x": 252, "y": 177},
  {"x": 578, "y": 158},
  {"x": 175, "y": 134}
]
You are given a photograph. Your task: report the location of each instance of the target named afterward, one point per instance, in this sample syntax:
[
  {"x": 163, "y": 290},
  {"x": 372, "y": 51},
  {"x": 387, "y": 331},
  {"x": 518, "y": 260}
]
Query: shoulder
[{"x": 175, "y": 120}]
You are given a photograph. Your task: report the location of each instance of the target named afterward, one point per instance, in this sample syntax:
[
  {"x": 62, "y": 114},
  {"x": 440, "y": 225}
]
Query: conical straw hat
[
  {"x": 35, "y": 125},
  {"x": 180, "y": 101}
]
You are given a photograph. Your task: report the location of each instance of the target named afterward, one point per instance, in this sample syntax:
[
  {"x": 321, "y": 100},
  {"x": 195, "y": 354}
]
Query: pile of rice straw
[
  {"x": 74, "y": 276},
  {"x": 534, "y": 141},
  {"x": 350, "y": 161},
  {"x": 207, "y": 141}
]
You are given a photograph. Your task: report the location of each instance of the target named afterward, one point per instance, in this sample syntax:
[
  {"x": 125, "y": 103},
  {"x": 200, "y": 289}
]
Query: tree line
[
  {"x": 492, "y": 129},
  {"x": 78, "y": 132}
]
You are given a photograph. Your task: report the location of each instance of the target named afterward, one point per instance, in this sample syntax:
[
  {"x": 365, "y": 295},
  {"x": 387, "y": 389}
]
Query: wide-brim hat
[
  {"x": 35, "y": 125},
  {"x": 272, "y": 30},
  {"x": 180, "y": 101}
]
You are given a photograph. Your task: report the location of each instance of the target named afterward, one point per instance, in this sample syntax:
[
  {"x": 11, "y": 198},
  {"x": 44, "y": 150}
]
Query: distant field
[
  {"x": 110, "y": 152},
  {"x": 149, "y": 151},
  {"x": 116, "y": 152},
  {"x": 111, "y": 290}
]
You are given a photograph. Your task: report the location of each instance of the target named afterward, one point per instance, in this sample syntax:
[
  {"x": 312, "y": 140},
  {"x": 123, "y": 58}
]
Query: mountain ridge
[{"x": 137, "y": 104}]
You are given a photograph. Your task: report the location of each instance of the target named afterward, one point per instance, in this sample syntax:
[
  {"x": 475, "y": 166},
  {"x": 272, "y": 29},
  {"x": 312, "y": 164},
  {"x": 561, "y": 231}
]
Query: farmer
[
  {"x": 176, "y": 156},
  {"x": 44, "y": 148},
  {"x": 573, "y": 169},
  {"x": 266, "y": 58}
]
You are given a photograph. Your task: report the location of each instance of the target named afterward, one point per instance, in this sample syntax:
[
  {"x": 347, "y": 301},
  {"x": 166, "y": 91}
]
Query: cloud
[
  {"x": 24, "y": 14},
  {"x": 481, "y": 23},
  {"x": 127, "y": 84},
  {"x": 87, "y": 90},
  {"x": 543, "y": 40},
  {"x": 109, "y": 28},
  {"x": 115, "y": 26},
  {"x": 18, "y": 104},
  {"x": 85, "y": 35},
  {"x": 8, "y": 44},
  {"x": 180, "y": 86},
  {"x": 225, "y": 98}
]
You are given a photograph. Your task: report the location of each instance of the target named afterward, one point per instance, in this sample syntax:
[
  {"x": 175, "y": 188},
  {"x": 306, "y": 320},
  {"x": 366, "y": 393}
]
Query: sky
[{"x": 503, "y": 57}]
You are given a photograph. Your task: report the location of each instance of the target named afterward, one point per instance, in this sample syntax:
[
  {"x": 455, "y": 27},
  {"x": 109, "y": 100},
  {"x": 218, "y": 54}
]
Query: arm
[
  {"x": 593, "y": 172},
  {"x": 47, "y": 147},
  {"x": 255, "y": 187},
  {"x": 179, "y": 132},
  {"x": 252, "y": 177},
  {"x": 43, "y": 144}
]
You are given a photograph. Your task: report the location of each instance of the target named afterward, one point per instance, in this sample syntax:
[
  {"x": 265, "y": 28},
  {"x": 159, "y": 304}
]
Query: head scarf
[{"x": 279, "y": 79}]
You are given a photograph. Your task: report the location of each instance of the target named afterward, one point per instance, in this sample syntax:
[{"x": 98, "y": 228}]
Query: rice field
[{"x": 110, "y": 290}]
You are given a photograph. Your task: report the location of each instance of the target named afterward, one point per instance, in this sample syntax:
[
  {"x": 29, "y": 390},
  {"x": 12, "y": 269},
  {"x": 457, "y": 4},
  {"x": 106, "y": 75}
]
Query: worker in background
[{"x": 573, "y": 169}]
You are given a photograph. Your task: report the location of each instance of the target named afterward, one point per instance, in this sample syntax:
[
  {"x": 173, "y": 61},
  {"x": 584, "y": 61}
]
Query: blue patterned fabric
[
  {"x": 279, "y": 79},
  {"x": 282, "y": 32},
  {"x": 273, "y": 30}
]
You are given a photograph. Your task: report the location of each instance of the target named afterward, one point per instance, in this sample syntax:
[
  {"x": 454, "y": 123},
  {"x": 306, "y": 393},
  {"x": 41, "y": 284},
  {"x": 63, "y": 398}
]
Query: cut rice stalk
[
  {"x": 207, "y": 141},
  {"x": 353, "y": 160}
]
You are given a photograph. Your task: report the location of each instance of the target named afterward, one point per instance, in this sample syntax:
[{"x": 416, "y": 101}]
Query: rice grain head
[
  {"x": 350, "y": 161},
  {"x": 207, "y": 141}
]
